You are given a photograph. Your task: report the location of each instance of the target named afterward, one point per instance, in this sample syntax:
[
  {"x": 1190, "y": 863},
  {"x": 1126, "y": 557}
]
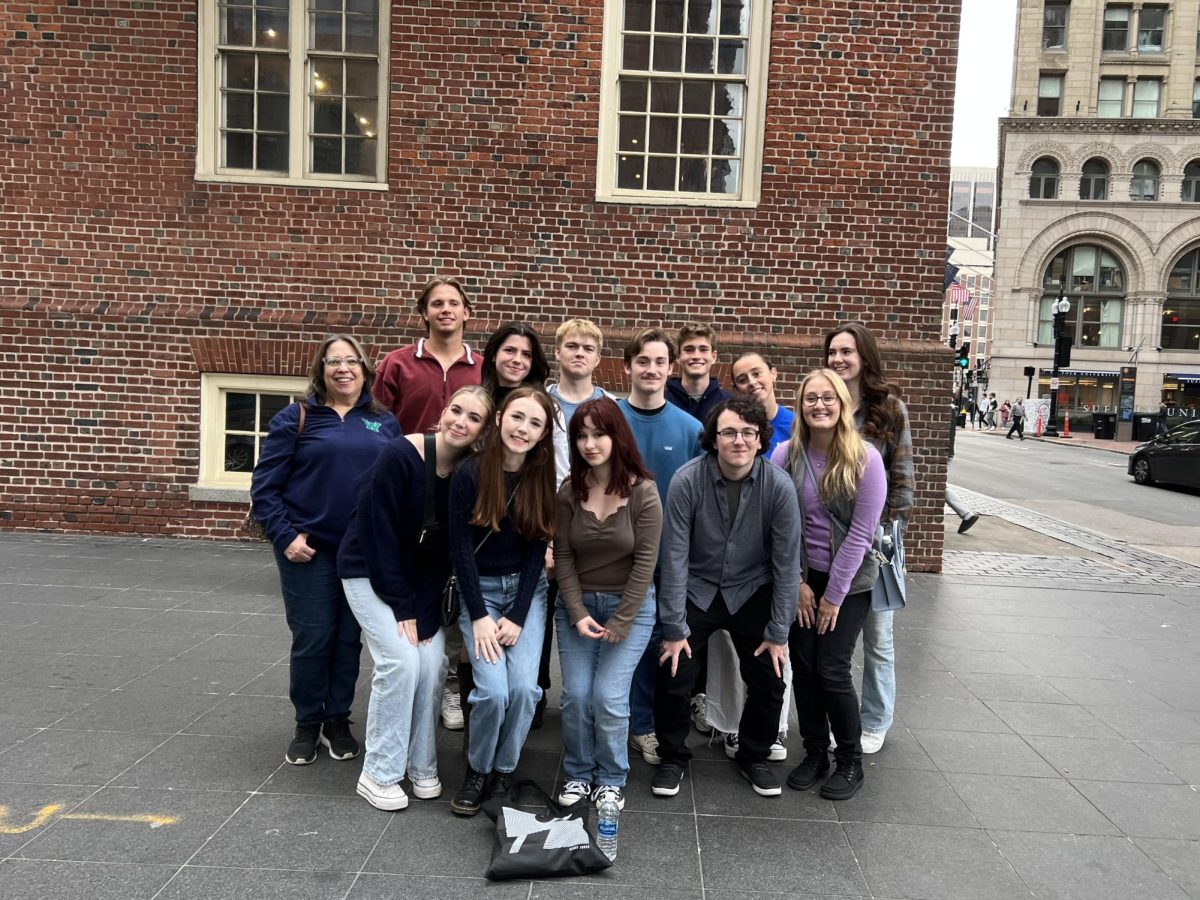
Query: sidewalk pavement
[
  {"x": 1079, "y": 438},
  {"x": 1046, "y": 743}
]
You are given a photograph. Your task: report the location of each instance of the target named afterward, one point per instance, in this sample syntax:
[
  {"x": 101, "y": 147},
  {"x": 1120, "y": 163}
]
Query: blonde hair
[
  {"x": 480, "y": 393},
  {"x": 847, "y": 454},
  {"x": 585, "y": 327}
]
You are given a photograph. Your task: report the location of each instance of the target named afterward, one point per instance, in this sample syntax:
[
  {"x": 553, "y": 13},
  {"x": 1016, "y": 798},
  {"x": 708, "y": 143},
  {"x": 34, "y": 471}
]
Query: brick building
[{"x": 195, "y": 192}]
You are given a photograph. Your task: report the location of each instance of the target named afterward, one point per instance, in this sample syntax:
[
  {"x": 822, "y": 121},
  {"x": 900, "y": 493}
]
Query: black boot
[
  {"x": 811, "y": 769},
  {"x": 845, "y": 781}
]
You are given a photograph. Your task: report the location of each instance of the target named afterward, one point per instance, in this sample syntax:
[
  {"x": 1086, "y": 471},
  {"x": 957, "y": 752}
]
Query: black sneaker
[
  {"x": 809, "y": 772},
  {"x": 303, "y": 748},
  {"x": 337, "y": 737},
  {"x": 501, "y": 785},
  {"x": 667, "y": 780},
  {"x": 467, "y": 798},
  {"x": 844, "y": 783},
  {"x": 761, "y": 778}
]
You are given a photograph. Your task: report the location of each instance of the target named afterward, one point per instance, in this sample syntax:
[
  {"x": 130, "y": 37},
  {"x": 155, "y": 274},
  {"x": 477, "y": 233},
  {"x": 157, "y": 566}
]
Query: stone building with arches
[{"x": 1100, "y": 202}]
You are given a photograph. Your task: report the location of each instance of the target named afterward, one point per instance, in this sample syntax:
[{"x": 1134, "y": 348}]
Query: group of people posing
[{"x": 635, "y": 530}]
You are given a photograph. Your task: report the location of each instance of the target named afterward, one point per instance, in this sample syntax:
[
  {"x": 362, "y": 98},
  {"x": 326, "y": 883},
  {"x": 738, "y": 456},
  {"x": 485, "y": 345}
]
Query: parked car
[{"x": 1172, "y": 458}]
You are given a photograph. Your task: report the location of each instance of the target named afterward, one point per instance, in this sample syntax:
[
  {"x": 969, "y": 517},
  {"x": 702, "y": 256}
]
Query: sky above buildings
[{"x": 985, "y": 59}]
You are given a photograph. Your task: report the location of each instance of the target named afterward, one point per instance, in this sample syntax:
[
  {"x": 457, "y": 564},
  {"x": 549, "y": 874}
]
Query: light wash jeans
[
  {"x": 879, "y": 672},
  {"x": 596, "y": 677},
  {"x": 506, "y": 691},
  {"x": 406, "y": 691}
]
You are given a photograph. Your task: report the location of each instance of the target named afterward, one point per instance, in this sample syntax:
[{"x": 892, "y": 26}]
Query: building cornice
[{"x": 1050, "y": 125}]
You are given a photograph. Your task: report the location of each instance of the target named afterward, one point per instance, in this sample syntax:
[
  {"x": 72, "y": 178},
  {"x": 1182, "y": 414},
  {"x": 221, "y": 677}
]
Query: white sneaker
[
  {"x": 610, "y": 791},
  {"x": 778, "y": 752},
  {"x": 388, "y": 797},
  {"x": 426, "y": 788},
  {"x": 647, "y": 745},
  {"x": 731, "y": 744},
  {"x": 452, "y": 716},
  {"x": 832, "y": 741},
  {"x": 700, "y": 714},
  {"x": 872, "y": 741},
  {"x": 574, "y": 791}
]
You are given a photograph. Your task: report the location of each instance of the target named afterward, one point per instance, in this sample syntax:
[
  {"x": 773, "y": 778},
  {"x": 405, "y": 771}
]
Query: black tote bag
[{"x": 547, "y": 843}]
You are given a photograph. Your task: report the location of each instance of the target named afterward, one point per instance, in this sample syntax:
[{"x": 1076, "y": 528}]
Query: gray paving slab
[{"x": 1039, "y": 747}]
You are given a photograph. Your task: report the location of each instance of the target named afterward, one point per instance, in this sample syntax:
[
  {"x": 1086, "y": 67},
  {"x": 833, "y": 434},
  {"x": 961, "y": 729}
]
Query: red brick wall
[{"x": 120, "y": 270}]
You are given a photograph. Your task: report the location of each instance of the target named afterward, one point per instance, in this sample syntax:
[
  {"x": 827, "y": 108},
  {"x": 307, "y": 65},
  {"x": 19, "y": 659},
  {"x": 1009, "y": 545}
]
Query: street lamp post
[{"x": 1061, "y": 307}]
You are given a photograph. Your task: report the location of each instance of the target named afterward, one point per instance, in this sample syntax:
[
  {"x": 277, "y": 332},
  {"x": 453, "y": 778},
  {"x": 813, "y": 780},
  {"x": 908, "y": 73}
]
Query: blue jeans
[
  {"x": 596, "y": 676},
  {"x": 325, "y": 639},
  {"x": 506, "y": 691},
  {"x": 879, "y": 672},
  {"x": 406, "y": 691}
]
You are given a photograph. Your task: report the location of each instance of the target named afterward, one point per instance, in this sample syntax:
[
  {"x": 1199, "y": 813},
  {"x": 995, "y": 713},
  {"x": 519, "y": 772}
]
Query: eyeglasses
[
  {"x": 352, "y": 362},
  {"x": 824, "y": 399},
  {"x": 732, "y": 434}
]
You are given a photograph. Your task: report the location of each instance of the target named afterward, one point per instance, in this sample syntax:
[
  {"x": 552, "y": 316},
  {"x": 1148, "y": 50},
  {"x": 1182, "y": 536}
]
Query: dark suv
[{"x": 1172, "y": 458}]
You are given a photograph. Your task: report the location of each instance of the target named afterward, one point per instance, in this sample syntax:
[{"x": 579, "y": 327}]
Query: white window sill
[
  {"x": 293, "y": 182},
  {"x": 198, "y": 493}
]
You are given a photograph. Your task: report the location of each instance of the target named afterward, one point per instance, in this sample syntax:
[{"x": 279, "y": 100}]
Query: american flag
[{"x": 965, "y": 300}]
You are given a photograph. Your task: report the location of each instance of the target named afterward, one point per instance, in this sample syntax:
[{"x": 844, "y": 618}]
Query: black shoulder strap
[{"x": 430, "y": 481}]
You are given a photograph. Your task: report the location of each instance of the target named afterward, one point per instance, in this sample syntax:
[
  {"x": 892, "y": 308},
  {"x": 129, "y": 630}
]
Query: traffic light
[{"x": 964, "y": 355}]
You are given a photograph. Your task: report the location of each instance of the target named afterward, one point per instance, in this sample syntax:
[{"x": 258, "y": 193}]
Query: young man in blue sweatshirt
[
  {"x": 696, "y": 391},
  {"x": 667, "y": 437}
]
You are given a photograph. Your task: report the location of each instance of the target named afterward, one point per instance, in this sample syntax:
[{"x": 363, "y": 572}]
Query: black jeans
[
  {"x": 1018, "y": 425},
  {"x": 821, "y": 679},
  {"x": 764, "y": 689}
]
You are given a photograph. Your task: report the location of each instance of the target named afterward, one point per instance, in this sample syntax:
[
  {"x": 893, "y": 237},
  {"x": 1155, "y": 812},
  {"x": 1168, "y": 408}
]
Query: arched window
[
  {"x": 1094, "y": 282},
  {"x": 1043, "y": 182},
  {"x": 1191, "y": 182},
  {"x": 1145, "y": 181},
  {"x": 1094, "y": 183},
  {"x": 1181, "y": 312}
]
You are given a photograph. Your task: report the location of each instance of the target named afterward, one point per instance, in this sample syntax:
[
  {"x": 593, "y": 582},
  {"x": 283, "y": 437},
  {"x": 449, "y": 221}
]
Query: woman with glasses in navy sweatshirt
[{"x": 301, "y": 490}]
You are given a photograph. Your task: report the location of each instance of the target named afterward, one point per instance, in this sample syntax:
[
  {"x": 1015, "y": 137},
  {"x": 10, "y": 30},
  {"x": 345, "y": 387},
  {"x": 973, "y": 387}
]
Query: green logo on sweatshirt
[{"x": 371, "y": 426}]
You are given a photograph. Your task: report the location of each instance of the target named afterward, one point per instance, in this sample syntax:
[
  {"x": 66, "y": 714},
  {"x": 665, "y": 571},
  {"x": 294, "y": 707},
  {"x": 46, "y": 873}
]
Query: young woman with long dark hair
[
  {"x": 609, "y": 525},
  {"x": 501, "y": 520}
]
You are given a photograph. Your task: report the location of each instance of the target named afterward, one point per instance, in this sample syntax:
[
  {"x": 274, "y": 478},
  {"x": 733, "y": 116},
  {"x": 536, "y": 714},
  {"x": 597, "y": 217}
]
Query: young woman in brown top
[{"x": 609, "y": 524}]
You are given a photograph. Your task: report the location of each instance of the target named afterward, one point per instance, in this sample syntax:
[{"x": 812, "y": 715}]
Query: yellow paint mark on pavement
[{"x": 48, "y": 812}]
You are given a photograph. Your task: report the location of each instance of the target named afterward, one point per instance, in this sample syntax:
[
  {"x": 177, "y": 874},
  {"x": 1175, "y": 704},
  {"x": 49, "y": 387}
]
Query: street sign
[{"x": 1054, "y": 384}]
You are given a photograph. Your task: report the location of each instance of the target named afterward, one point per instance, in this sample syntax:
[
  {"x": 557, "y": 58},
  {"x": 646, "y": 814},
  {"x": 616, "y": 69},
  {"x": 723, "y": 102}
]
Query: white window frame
[
  {"x": 213, "y": 388},
  {"x": 1113, "y": 13},
  {"x": 1046, "y": 26},
  {"x": 1101, "y": 99},
  {"x": 1161, "y": 46},
  {"x": 1141, "y": 88},
  {"x": 208, "y": 123},
  {"x": 753, "y": 123},
  {"x": 1050, "y": 87}
]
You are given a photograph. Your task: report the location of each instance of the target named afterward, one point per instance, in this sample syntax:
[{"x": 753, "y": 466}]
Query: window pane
[
  {"x": 729, "y": 99},
  {"x": 363, "y": 6},
  {"x": 1116, "y": 28},
  {"x": 239, "y": 453},
  {"x": 637, "y": 15},
  {"x": 693, "y": 176},
  {"x": 726, "y": 176},
  {"x": 731, "y": 57},
  {"x": 632, "y": 133},
  {"x": 1180, "y": 279},
  {"x": 238, "y": 70},
  {"x": 272, "y": 30},
  {"x": 694, "y": 137},
  {"x": 664, "y": 135},
  {"x": 668, "y": 16},
  {"x": 629, "y": 171},
  {"x": 727, "y": 137},
  {"x": 362, "y": 78},
  {"x": 272, "y": 152},
  {"x": 239, "y": 150},
  {"x": 327, "y": 116},
  {"x": 664, "y": 96},
  {"x": 668, "y": 54},
  {"x": 697, "y": 97},
  {"x": 327, "y": 77},
  {"x": 1150, "y": 27},
  {"x": 272, "y": 113},
  {"x": 327, "y": 155},
  {"x": 362, "y": 34},
  {"x": 272, "y": 73},
  {"x": 660, "y": 173},
  {"x": 239, "y": 411},
  {"x": 735, "y": 17},
  {"x": 326, "y": 33},
  {"x": 360, "y": 117},
  {"x": 699, "y": 56},
  {"x": 633, "y": 94},
  {"x": 239, "y": 111},
  {"x": 1083, "y": 268},
  {"x": 1112, "y": 276},
  {"x": 1145, "y": 98},
  {"x": 702, "y": 17},
  {"x": 636, "y": 53},
  {"x": 360, "y": 156},
  {"x": 237, "y": 26},
  {"x": 269, "y": 405}
]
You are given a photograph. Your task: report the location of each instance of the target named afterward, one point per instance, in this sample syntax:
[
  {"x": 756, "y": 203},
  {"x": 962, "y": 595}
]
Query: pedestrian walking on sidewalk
[
  {"x": 1017, "y": 414},
  {"x": 314, "y": 452}
]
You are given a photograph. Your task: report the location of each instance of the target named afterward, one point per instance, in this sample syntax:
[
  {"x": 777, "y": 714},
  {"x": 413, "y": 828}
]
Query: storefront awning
[
  {"x": 1087, "y": 373},
  {"x": 1187, "y": 377}
]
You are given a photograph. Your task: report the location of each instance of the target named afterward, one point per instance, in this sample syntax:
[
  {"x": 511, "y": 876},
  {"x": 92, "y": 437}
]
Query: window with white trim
[
  {"x": 682, "y": 101},
  {"x": 1110, "y": 103},
  {"x": 1146, "y": 92},
  {"x": 1152, "y": 22},
  {"x": 1049, "y": 94},
  {"x": 234, "y": 413},
  {"x": 1054, "y": 26},
  {"x": 293, "y": 91},
  {"x": 1116, "y": 29}
]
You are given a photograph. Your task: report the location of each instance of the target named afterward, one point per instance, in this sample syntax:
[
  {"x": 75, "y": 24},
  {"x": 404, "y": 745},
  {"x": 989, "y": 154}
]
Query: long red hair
[{"x": 626, "y": 468}]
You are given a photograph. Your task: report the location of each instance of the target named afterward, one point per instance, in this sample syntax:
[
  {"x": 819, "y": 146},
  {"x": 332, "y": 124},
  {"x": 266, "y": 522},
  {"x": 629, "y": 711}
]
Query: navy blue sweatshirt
[
  {"x": 504, "y": 553},
  {"x": 381, "y": 539},
  {"x": 305, "y": 485},
  {"x": 677, "y": 395}
]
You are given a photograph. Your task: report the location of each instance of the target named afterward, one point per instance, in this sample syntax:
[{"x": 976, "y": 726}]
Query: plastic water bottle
[{"x": 608, "y": 823}]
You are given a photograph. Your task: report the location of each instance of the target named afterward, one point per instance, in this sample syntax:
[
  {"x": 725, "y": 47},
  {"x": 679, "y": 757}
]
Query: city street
[{"x": 1082, "y": 486}]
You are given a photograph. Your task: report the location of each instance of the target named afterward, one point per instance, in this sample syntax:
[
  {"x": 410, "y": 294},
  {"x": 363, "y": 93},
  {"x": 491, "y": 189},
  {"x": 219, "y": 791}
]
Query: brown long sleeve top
[{"x": 616, "y": 556}]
